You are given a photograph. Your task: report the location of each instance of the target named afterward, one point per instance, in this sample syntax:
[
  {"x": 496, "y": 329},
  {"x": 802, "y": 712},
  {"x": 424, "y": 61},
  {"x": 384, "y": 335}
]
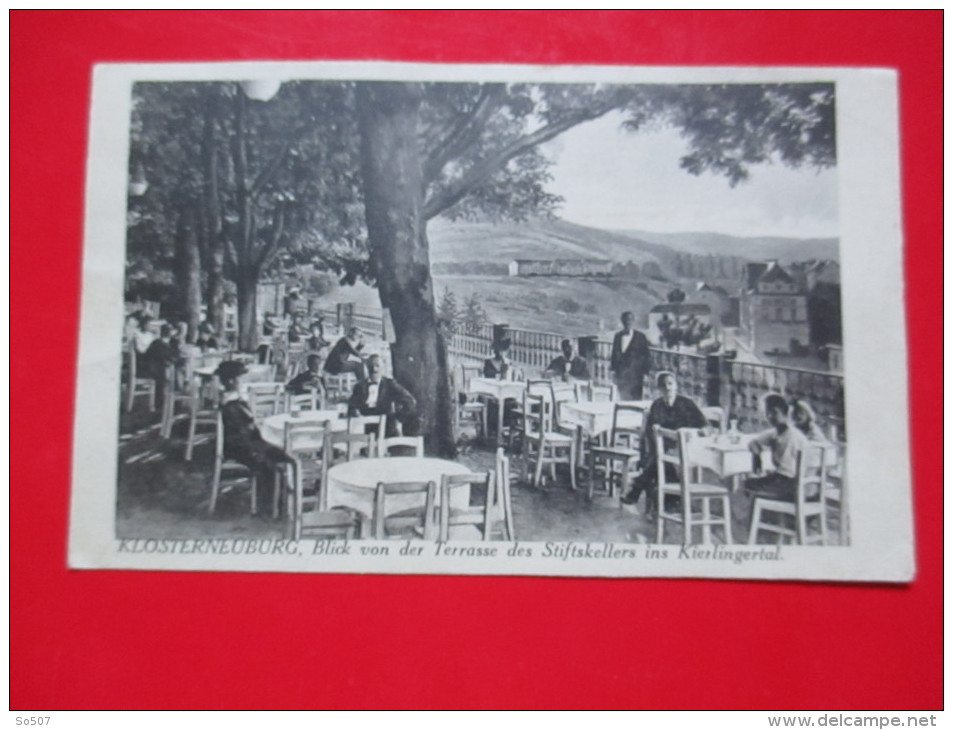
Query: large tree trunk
[
  {"x": 246, "y": 282},
  {"x": 214, "y": 243},
  {"x": 400, "y": 257},
  {"x": 188, "y": 270}
]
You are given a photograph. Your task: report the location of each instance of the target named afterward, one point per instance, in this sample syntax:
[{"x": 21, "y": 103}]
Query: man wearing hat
[{"x": 243, "y": 441}]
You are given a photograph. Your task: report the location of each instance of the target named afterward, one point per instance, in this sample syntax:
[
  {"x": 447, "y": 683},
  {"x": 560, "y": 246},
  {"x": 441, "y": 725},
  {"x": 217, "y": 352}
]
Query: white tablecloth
[
  {"x": 593, "y": 418},
  {"x": 353, "y": 484},
  {"x": 273, "y": 427}
]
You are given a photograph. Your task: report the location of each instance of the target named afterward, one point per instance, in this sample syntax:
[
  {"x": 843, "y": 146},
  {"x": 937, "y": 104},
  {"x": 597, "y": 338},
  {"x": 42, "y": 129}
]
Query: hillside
[{"x": 756, "y": 248}]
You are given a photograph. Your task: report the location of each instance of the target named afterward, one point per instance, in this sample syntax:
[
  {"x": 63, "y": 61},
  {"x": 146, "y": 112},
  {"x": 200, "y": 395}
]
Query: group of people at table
[{"x": 793, "y": 424}]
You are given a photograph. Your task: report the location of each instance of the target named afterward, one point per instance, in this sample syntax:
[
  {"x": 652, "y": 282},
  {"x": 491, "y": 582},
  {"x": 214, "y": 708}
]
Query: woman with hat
[{"x": 242, "y": 439}]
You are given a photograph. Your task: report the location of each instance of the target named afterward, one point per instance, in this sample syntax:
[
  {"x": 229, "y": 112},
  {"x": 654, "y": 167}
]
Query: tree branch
[
  {"x": 267, "y": 173},
  {"x": 271, "y": 246},
  {"x": 482, "y": 171},
  {"x": 465, "y": 132}
]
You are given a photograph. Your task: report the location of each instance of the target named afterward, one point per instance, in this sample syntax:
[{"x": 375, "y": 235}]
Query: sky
[{"x": 617, "y": 181}]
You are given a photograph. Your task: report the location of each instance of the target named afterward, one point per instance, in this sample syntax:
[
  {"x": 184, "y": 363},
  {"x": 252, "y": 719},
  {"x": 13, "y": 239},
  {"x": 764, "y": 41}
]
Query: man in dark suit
[
  {"x": 377, "y": 395},
  {"x": 630, "y": 360},
  {"x": 308, "y": 381},
  {"x": 160, "y": 355},
  {"x": 568, "y": 366},
  {"x": 345, "y": 356}
]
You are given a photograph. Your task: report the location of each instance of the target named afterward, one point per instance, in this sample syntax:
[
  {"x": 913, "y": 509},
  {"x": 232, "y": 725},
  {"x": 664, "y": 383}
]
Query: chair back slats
[
  {"x": 423, "y": 517},
  {"x": 360, "y": 424},
  {"x": 479, "y": 516},
  {"x": 716, "y": 417},
  {"x": 399, "y": 445},
  {"x": 313, "y": 401},
  {"x": 627, "y": 424}
]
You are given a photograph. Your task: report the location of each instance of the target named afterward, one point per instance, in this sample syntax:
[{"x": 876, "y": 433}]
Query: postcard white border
[{"x": 875, "y": 369}]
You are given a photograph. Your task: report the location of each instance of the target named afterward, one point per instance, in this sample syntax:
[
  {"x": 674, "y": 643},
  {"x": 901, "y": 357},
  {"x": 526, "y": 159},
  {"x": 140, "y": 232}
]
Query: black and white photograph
[{"x": 391, "y": 318}]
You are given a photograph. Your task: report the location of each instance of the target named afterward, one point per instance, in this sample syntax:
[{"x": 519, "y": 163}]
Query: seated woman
[
  {"x": 498, "y": 366},
  {"x": 207, "y": 339},
  {"x": 670, "y": 411},
  {"x": 242, "y": 439},
  {"x": 806, "y": 422}
]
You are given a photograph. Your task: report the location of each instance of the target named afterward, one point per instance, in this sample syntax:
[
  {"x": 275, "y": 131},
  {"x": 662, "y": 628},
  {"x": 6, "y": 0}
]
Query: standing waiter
[{"x": 630, "y": 360}]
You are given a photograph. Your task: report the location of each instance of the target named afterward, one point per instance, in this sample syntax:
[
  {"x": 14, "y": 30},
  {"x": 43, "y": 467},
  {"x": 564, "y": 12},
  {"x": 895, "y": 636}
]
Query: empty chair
[
  {"x": 200, "y": 414},
  {"x": 368, "y": 424},
  {"x": 228, "y": 473},
  {"x": 313, "y": 401},
  {"x": 404, "y": 521},
  {"x": 543, "y": 444},
  {"x": 504, "y": 503},
  {"x": 136, "y": 386},
  {"x": 340, "y": 446},
  {"x": 469, "y": 408},
  {"x": 478, "y": 516},
  {"x": 339, "y": 387},
  {"x": 806, "y": 508},
  {"x": 837, "y": 496},
  {"x": 716, "y": 417},
  {"x": 681, "y": 498},
  {"x": 304, "y": 443},
  {"x": 265, "y": 399},
  {"x": 401, "y": 446},
  {"x": 613, "y": 463}
]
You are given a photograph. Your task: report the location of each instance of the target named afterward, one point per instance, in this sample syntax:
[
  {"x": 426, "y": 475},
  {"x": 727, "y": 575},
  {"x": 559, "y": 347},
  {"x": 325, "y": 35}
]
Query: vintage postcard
[{"x": 409, "y": 318}]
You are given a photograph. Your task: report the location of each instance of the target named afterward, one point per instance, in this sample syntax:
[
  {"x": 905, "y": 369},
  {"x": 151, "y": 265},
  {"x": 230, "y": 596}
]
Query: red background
[{"x": 136, "y": 640}]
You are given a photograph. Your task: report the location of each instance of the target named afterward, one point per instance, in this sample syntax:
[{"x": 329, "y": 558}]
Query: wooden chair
[
  {"x": 304, "y": 443},
  {"x": 808, "y": 504},
  {"x": 228, "y": 472},
  {"x": 339, "y": 387},
  {"x": 313, "y": 401},
  {"x": 504, "y": 502},
  {"x": 265, "y": 399},
  {"x": 479, "y": 516},
  {"x": 615, "y": 460},
  {"x": 136, "y": 386},
  {"x": 361, "y": 424},
  {"x": 717, "y": 418},
  {"x": 199, "y": 415},
  {"x": 412, "y": 522},
  {"x": 671, "y": 448},
  {"x": 340, "y": 446},
  {"x": 468, "y": 408},
  {"x": 543, "y": 443},
  {"x": 837, "y": 496},
  {"x": 401, "y": 444}
]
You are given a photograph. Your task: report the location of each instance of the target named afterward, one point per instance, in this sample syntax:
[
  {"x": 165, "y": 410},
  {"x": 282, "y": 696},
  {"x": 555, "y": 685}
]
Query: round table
[
  {"x": 273, "y": 427},
  {"x": 354, "y": 483}
]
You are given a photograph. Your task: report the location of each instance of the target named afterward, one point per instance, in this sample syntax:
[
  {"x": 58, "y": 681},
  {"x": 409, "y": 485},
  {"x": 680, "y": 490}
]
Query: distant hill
[{"x": 756, "y": 248}]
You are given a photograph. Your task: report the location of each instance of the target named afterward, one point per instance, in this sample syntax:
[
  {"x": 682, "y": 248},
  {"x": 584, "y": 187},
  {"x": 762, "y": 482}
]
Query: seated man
[
  {"x": 670, "y": 411},
  {"x": 316, "y": 341},
  {"x": 378, "y": 395},
  {"x": 783, "y": 442},
  {"x": 345, "y": 356},
  {"x": 308, "y": 381},
  {"x": 568, "y": 366},
  {"x": 207, "y": 339},
  {"x": 157, "y": 359},
  {"x": 242, "y": 439}
]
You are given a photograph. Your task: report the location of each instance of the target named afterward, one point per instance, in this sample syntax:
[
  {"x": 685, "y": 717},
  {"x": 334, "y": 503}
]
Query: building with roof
[{"x": 773, "y": 310}]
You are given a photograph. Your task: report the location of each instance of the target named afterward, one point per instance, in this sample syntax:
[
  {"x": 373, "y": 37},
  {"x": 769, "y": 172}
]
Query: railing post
[{"x": 717, "y": 388}]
